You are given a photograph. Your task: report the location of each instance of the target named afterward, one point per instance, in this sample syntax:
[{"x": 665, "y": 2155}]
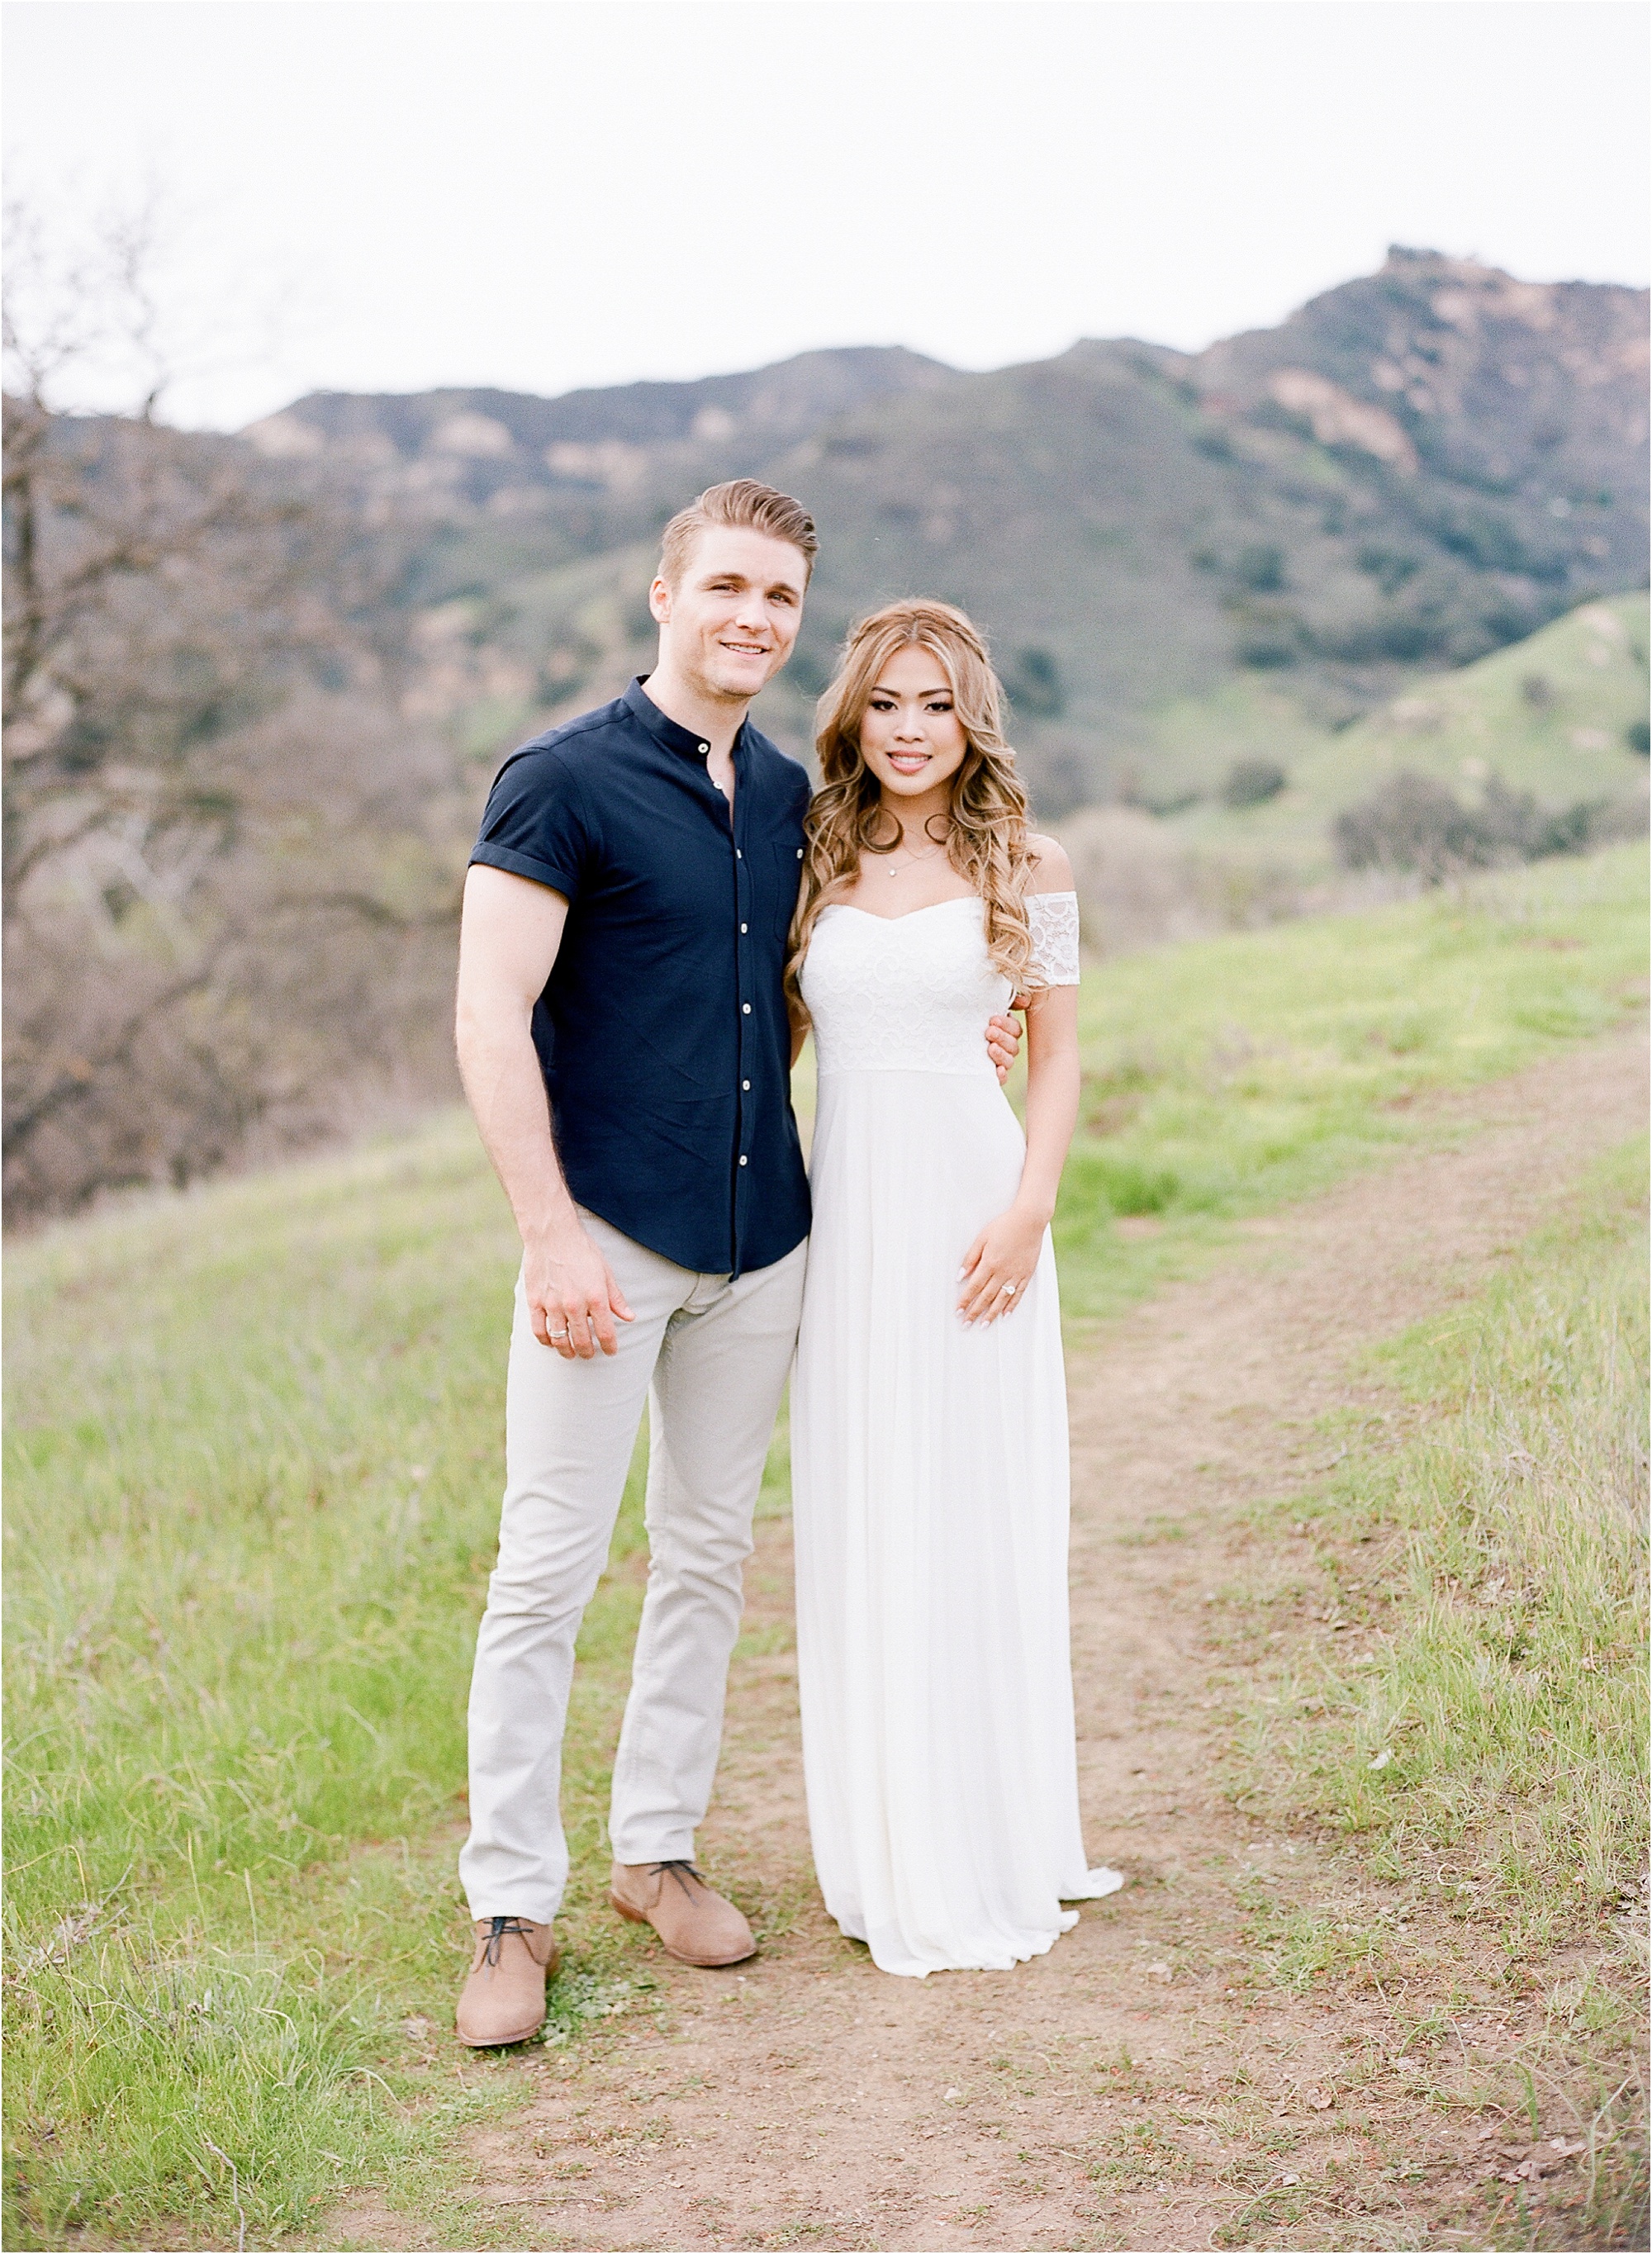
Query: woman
[{"x": 928, "y": 1407}]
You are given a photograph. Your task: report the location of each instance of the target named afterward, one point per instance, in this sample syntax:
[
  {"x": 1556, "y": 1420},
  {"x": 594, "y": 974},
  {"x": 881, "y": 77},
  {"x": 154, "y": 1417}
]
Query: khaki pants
[{"x": 711, "y": 1356}]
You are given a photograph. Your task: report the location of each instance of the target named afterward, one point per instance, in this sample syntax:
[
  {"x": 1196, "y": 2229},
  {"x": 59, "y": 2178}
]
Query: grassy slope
[
  {"x": 254, "y": 1453},
  {"x": 1228, "y": 1077},
  {"x": 1454, "y": 727},
  {"x": 1481, "y": 1731},
  {"x": 1501, "y": 1721},
  {"x": 252, "y": 1513}
]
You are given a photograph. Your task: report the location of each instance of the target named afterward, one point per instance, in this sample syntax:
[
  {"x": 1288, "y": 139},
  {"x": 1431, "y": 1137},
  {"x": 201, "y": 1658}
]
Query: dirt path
[{"x": 1125, "y": 2090}]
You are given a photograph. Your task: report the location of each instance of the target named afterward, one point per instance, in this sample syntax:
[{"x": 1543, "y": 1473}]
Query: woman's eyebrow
[{"x": 879, "y": 690}]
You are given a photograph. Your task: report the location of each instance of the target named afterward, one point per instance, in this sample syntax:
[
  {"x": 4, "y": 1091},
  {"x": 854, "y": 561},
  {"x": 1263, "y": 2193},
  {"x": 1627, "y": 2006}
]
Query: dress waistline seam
[{"x": 912, "y": 1071}]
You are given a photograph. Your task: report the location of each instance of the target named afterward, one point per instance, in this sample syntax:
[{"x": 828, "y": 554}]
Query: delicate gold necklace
[{"x": 912, "y": 858}]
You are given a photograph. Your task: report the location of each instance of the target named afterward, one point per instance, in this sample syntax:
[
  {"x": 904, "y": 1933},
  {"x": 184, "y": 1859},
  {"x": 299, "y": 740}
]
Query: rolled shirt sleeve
[{"x": 536, "y": 823}]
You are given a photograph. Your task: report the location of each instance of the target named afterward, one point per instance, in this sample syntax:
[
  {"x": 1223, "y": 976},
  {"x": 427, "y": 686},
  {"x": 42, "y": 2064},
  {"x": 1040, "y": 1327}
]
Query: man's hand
[
  {"x": 1003, "y": 1041},
  {"x": 573, "y": 1300}
]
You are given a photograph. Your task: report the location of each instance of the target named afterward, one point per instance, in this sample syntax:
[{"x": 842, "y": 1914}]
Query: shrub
[
  {"x": 1638, "y": 737},
  {"x": 1252, "y": 782},
  {"x": 1123, "y": 1186},
  {"x": 1265, "y": 648},
  {"x": 1034, "y": 682},
  {"x": 1260, "y": 568},
  {"x": 1411, "y": 821},
  {"x": 809, "y": 673},
  {"x": 1403, "y": 635},
  {"x": 1390, "y": 567}
]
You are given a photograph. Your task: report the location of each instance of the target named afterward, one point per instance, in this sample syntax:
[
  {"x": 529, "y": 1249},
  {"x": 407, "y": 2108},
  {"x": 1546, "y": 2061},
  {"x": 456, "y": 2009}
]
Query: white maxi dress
[{"x": 930, "y": 1466}]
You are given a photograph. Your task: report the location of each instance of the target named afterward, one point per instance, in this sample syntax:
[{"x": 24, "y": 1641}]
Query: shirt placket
[
  {"x": 732, "y": 821},
  {"x": 746, "y": 1044}
]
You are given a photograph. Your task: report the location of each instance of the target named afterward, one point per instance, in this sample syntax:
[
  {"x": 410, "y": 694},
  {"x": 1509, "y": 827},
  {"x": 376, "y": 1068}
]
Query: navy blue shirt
[{"x": 662, "y": 1031}]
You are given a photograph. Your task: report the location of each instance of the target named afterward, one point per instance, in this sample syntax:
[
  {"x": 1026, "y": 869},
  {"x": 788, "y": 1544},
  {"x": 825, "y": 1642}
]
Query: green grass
[
  {"x": 1494, "y": 1738},
  {"x": 1227, "y": 1077},
  {"x": 254, "y": 1462},
  {"x": 253, "y": 1471},
  {"x": 248, "y": 1458},
  {"x": 1478, "y": 1732}
]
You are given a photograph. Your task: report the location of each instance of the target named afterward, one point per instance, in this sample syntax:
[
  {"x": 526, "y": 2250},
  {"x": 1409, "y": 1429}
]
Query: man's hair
[{"x": 745, "y": 503}]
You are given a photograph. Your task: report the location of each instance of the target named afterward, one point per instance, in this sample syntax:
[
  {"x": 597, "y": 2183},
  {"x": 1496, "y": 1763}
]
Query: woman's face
[{"x": 910, "y": 736}]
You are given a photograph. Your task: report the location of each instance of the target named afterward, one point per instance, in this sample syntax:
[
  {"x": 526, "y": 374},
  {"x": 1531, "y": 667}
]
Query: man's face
[{"x": 729, "y": 623}]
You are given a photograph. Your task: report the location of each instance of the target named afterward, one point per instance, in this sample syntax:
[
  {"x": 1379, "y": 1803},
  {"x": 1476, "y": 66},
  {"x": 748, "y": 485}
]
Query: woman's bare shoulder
[{"x": 1052, "y": 871}]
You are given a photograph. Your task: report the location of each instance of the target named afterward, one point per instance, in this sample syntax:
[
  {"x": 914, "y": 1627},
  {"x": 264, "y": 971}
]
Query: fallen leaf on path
[
  {"x": 1381, "y": 1759},
  {"x": 1321, "y": 2100},
  {"x": 1538, "y": 2160}
]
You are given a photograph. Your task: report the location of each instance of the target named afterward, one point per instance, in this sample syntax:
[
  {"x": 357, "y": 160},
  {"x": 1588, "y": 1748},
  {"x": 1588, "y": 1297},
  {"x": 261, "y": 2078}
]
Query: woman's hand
[{"x": 1000, "y": 1263}]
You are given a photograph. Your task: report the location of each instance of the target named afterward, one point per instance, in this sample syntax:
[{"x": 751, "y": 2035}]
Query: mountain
[
  {"x": 1281, "y": 532},
  {"x": 455, "y": 448}
]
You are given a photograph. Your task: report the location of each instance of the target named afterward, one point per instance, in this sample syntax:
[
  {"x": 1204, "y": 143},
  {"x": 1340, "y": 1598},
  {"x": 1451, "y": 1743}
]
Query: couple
[{"x": 654, "y": 914}]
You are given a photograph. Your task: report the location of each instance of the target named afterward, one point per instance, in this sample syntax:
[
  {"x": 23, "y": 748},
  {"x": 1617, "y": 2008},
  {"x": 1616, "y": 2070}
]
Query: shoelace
[
  {"x": 501, "y": 1926},
  {"x": 676, "y": 1869}
]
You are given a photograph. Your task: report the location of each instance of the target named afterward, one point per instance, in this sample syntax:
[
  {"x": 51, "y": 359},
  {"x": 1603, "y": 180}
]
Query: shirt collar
[{"x": 666, "y": 732}]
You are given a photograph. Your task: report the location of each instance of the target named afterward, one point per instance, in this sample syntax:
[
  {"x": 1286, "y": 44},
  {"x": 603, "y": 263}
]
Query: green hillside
[
  {"x": 1556, "y": 714},
  {"x": 1416, "y": 468}
]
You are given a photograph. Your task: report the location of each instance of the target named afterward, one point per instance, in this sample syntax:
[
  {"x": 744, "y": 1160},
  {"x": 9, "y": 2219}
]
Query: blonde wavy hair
[{"x": 986, "y": 838}]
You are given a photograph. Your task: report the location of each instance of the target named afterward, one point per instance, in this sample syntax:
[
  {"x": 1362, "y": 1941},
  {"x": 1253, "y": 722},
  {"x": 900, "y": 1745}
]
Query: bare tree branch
[{"x": 231, "y": 867}]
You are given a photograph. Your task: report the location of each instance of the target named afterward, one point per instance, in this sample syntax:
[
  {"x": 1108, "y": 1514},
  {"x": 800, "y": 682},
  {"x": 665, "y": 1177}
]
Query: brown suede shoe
[
  {"x": 503, "y": 2001},
  {"x": 696, "y": 1926}
]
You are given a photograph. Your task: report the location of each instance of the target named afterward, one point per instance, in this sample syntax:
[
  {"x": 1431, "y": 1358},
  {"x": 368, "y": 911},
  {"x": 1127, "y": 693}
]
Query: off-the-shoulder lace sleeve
[{"x": 1053, "y": 919}]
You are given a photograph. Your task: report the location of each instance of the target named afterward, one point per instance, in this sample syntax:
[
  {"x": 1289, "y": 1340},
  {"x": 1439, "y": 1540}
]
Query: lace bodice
[{"x": 913, "y": 993}]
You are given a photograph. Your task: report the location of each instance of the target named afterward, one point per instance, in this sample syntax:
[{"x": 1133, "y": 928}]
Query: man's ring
[{"x": 556, "y": 1334}]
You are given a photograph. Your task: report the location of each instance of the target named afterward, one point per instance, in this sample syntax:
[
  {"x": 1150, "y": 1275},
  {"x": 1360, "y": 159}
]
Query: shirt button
[
  {"x": 745, "y": 1008},
  {"x": 745, "y": 1084},
  {"x": 740, "y": 856},
  {"x": 705, "y": 748},
  {"x": 800, "y": 852},
  {"x": 743, "y": 927},
  {"x": 742, "y": 1161}
]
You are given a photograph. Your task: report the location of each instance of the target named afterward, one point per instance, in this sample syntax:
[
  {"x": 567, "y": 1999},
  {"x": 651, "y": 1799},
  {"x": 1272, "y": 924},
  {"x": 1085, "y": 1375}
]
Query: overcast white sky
[{"x": 388, "y": 194}]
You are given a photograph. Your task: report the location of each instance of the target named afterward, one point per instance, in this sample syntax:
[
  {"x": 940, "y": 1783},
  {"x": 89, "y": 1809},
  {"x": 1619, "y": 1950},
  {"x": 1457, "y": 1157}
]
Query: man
[{"x": 624, "y": 1041}]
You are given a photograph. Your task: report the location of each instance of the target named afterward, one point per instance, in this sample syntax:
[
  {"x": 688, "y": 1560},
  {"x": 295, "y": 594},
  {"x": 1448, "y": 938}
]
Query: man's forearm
[{"x": 499, "y": 1067}]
